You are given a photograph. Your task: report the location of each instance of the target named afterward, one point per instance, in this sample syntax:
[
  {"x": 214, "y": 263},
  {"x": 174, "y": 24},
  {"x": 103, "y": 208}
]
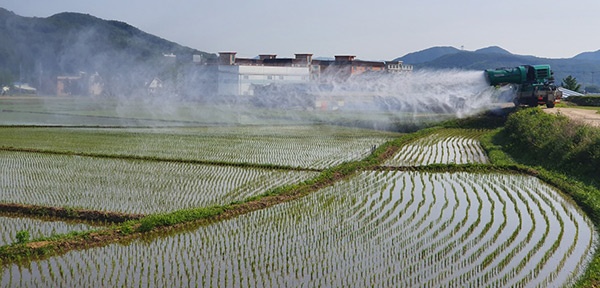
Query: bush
[
  {"x": 22, "y": 237},
  {"x": 554, "y": 142},
  {"x": 585, "y": 100}
]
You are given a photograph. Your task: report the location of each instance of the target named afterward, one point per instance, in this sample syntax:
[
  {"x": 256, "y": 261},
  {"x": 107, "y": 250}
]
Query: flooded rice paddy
[
  {"x": 390, "y": 228},
  {"x": 130, "y": 186}
]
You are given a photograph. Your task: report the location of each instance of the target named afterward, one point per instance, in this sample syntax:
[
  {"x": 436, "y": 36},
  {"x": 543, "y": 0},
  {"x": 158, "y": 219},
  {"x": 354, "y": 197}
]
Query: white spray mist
[
  {"x": 423, "y": 95},
  {"x": 457, "y": 92}
]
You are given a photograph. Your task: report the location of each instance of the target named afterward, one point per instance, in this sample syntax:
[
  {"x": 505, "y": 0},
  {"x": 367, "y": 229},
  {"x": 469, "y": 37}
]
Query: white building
[
  {"x": 398, "y": 66},
  {"x": 239, "y": 76}
]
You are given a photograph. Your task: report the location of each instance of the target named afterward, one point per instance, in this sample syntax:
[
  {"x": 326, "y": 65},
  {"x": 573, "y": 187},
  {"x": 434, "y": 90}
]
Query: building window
[
  {"x": 281, "y": 77},
  {"x": 246, "y": 77},
  {"x": 270, "y": 77}
]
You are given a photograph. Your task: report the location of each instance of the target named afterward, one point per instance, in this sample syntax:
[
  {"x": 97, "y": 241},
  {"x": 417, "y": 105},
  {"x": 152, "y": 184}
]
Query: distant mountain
[
  {"x": 588, "y": 56},
  {"x": 37, "y": 50},
  {"x": 493, "y": 49},
  {"x": 585, "y": 67},
  {"x": 479, "y": 60},
  {"x": 427, "y": 55}
]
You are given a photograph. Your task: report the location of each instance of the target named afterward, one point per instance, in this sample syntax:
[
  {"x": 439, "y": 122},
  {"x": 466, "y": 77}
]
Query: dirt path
[{"x": 589, "y": 117}]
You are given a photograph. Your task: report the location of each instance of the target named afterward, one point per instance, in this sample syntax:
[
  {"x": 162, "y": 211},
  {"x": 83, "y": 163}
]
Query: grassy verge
[
  {"x": 569, "y": 105},
  {"x": 553, "y": 142}
]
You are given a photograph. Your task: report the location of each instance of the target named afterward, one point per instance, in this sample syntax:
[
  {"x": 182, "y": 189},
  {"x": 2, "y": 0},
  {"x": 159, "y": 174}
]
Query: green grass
[
  {"x": 553, "y": 142},
  {"x": 567, "y": 104}
]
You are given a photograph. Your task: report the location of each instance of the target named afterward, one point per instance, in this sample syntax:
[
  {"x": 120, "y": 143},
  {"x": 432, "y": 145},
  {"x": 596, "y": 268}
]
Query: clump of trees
[{"x": 571, "y": 83}]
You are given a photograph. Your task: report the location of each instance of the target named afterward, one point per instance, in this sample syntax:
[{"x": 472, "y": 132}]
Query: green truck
[{"x": 535, "y": 84}]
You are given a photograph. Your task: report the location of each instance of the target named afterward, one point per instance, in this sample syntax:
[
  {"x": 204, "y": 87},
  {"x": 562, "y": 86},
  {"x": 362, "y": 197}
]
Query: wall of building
[
  {"x": 228, "y": 79},
  {"x": 240, "y": 79},
  {"x": 265, "y": 75}
]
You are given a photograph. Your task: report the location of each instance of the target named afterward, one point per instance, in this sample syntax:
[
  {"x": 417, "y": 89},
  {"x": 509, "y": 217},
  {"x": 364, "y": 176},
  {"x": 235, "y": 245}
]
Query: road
[{"x": 590, "y": 117}]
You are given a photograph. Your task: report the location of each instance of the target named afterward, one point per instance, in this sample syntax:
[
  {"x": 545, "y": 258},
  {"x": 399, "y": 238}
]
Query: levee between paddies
[
  {"x": 130, "y": 186},
  {"x": 379, "y": 228},
  {"x": 445, "y": 147},
  {"x": 35, "y": 227}
]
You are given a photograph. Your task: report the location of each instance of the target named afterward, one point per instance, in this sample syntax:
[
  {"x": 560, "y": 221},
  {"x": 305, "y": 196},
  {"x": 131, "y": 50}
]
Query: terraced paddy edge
[
  {"x": 444, "y": 147},
  {"x": 314, "y": 147},
  {"x": 389, "y": 229},
  {"x": 130, "y": 186},
  {"x": 36, "y": 227}
]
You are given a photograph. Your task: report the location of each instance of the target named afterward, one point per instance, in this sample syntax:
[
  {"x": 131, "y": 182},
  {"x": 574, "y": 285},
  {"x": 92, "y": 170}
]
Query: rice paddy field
[
  {"x": 134, "y": 186},
  {"x": 314, "y": 147},
  {"x": 407, "y": 229},
  {"x": 441, "y": 148},
  {"x": 396, "y": 224}
]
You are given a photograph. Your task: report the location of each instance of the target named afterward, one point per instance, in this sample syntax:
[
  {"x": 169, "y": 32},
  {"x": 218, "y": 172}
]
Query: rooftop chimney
[
  {"x": 304, "y": 58},
  {"x": 227, "y": 58}
]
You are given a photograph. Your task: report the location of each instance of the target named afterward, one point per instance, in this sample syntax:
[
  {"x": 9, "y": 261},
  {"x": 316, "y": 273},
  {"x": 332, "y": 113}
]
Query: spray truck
[{"x": 534, "y": 84}]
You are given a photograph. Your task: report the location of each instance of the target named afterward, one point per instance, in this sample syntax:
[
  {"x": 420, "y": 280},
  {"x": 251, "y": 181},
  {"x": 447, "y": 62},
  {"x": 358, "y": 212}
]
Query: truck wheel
[
  {"x": 550, "y": 101},
  {"x": 533, "y": 102}
]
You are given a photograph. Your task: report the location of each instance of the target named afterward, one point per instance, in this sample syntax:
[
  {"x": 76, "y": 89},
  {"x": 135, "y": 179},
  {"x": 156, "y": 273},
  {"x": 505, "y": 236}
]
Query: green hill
[
  {"x": 37, "y": 50},
  {"x": 427, "y": 55}
]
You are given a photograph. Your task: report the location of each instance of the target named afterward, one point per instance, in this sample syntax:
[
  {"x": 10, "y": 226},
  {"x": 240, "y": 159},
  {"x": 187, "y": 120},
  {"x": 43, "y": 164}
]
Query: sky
[{"x": 370, "y": 30}]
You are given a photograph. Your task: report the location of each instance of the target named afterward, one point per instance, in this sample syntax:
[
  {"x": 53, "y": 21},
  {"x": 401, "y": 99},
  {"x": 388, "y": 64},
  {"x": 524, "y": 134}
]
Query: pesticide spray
[
  {"x": 415, "y": 97},
  {"x": 457, "y": 92}
]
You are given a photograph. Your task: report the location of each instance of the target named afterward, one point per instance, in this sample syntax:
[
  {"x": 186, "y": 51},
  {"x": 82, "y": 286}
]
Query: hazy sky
[{"x": 371, "y": 30}]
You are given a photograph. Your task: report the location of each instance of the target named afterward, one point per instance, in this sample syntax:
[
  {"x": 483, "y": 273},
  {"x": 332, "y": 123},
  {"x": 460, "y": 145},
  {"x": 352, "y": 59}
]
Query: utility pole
[
  {"x": 20, "y": 77},
  {"x": 39, "y": 88}
]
